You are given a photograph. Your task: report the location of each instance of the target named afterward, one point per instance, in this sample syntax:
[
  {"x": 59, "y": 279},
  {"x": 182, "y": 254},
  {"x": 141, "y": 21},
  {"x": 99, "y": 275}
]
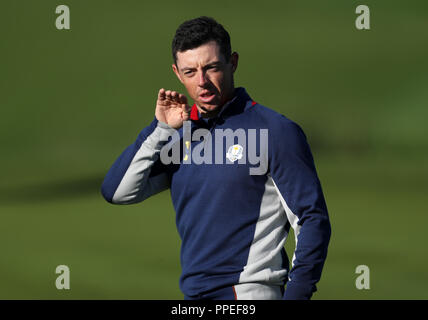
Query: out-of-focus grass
[
  {"x": 126, "y": 252},
  {"x": 377, "y": 209}
]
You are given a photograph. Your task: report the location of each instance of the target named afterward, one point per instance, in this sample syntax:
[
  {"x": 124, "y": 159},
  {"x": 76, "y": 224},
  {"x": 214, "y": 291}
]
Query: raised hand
[{"x": 172, "y": 108}]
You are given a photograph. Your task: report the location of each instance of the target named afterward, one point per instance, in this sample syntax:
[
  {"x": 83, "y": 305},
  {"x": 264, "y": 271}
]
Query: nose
[{"x": 202, "y": 79}]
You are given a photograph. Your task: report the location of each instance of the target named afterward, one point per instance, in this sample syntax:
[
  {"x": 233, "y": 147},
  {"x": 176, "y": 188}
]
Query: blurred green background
[{"x": 72, "y": 100}]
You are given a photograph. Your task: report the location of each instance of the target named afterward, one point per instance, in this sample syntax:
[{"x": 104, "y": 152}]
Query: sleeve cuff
[
  {"x": 298, "y": 291},
  {"x": 160, "y": 136}
]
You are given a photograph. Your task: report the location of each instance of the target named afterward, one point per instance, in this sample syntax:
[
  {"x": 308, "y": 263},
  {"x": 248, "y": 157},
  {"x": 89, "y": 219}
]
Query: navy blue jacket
[{"x": 238, "y": 182}]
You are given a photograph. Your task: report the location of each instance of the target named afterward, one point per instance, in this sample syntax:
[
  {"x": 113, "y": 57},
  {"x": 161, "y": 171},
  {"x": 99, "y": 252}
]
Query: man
[{"x": 233, "y": 218}]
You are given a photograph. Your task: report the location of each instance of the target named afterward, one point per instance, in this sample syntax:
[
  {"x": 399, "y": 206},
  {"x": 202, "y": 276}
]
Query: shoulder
[
  {"x": 287, "y": 143},
  {"x": 279, "y": 126}
]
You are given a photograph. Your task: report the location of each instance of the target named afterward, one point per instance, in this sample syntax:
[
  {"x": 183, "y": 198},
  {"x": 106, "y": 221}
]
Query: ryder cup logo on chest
[{"x": 234, "y": 153}]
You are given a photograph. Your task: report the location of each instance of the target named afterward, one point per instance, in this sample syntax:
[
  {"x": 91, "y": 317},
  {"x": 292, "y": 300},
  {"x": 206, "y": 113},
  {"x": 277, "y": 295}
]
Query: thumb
[{"x": 185, "y": 112}]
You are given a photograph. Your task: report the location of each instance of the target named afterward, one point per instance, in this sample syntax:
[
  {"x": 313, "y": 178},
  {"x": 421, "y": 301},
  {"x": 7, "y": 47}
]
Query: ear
[
  {"x": 177, "y": 73},
  {"x": 234, "y": 61}
]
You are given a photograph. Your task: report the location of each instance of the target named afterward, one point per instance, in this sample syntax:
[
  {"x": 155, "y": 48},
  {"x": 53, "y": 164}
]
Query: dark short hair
[{"x": 196, "y": 32}]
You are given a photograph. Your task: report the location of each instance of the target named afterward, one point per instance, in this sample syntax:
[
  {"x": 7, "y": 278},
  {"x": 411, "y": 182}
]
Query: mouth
[{"x": 207, "y": 96}]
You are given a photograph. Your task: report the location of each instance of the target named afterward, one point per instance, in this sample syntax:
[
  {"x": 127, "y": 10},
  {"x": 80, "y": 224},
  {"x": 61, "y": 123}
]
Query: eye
[{"x": 188, "y": 73}]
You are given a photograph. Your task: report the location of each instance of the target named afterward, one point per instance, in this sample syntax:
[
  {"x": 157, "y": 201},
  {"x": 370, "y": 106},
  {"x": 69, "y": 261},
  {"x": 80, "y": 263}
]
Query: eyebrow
[{"x": 211, "y": 64}]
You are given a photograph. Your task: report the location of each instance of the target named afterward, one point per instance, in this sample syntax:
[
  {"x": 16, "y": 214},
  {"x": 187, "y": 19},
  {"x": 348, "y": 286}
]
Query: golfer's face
[{"x": 207, "y": 76}]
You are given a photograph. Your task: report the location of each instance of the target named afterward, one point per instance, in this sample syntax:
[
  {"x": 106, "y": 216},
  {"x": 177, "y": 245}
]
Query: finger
[
  {"x": 174, "y": 96},
  {"x": 186, "y": 108},
  {"x": 168, "y": 94},
  {"x": 183, "y": 99},
  {"x": 161, "y": 94}
]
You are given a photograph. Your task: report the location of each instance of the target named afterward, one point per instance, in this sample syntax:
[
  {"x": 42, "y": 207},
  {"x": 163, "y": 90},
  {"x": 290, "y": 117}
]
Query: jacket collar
[{"x": 234, "y": 106}]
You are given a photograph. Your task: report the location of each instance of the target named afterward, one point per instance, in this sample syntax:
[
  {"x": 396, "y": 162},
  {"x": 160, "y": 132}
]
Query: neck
[{"x": 210, "y": 114}]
